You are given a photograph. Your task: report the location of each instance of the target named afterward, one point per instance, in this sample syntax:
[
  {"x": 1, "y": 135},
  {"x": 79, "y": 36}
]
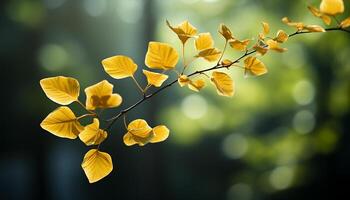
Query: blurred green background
[{"x": 284, "y": 135}]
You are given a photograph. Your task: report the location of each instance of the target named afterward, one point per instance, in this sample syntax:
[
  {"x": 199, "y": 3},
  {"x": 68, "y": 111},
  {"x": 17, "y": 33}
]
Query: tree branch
[{"x": 217, "y": 66}]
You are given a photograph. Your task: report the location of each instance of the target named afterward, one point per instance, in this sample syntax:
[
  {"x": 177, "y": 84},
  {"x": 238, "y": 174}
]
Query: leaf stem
[{"x": 138, "y": 85}]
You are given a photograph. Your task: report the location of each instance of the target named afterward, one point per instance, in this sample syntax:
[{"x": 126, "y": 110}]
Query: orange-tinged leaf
[
  {"x": 261, "y": 47},
  {"x": 281, "y": 36},
  {"x": 60, "y": 89},
  {"x": 119, "y": 66},
  {"x": 317, "y": 13},
  {"x": 92, "y": 134},
  {"x": 211, "y": 54},
  {"x": 155, "y": 79},
  {"x": 297, "y": 25},
  {"x": 225, "y": 32},
  {"x": 63, "y": 123},
  {"x": 196, "y": 85},
  {"x": 239, "y": 45},
  {"x": 184, "y": 30},
  {"x": 273, "y": 45},
  {"x": 204, "y": 41},
  {"x": 161, "y": 56},
  {"x": 183, "y": 80},
  {"x": 224, "y": 84},
  {"x": 96, "y": 165},
  {"x": 160, "y": 133},
  {"x": 100, "y": 96},
  {"x": 345, "y": 23},
  {"x": 332, "y": 7},
  {"x": 226, "y": 62},
  {"x": 254, "y": 66}
]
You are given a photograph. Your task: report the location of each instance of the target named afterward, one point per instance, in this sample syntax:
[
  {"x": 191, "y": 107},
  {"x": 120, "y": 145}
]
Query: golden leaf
[
  {"x": 266, "y": 28},
  {"x": 155, "y": 79},
  {"x": 225, "y": 31},
  {"x": 317, "y": 13},
  {"x": 96, "y": 165},
  {"x": 254, "y": 66},
  {"x": 273, "y": 45},
  {"x": 196, "y": 85},
  {"x": 184, "y": 30},
  {"x": 281, "y": 36},
  {"x": 161, "y": 56},
  {"x": 314, "y": 28},
  {"x": 332, "y": 7},
  {"x": 239, "y": 45},
  {"x": 297, "y": 25},
  {"x": 261, "y": 47},
  {"x": 62, "y": 123},
  {"x": 60, "y": 89},
  {"x": 204, "y": 41},
  {"x": 160, "y": 133},
  {"x": 100, "y": 96},
  {"x": 92, "y": 134},
  {"x": 210, "y": 55},
  {"x": 345, "y": 23},
  {"x": 119, "y": 66},
  {"x": 226, "y": 62},
  {"x": 183, "y": 80},
  {"x": 140, "y": 128},
  {"x": 224, "y": 84}
]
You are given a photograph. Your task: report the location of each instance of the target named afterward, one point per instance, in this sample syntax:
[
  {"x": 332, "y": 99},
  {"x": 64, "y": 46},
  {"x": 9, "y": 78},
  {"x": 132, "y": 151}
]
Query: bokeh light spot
[
  {"x": 194, "y": 106},
  {"x": 235, "y": 146},
  {"x": 281, "y": 177},
  {"x": 52, "y": 57},
  {"x": 240, "y": 191},
  {"x": 95, "y": 8},
  {"x": 303, "y": 92},
  {"x": 304, "y": 121}
]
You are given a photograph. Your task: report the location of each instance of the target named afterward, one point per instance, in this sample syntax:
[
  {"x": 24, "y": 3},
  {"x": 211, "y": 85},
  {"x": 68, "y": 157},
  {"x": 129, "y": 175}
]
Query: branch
[{"x": 217, "y": 66}]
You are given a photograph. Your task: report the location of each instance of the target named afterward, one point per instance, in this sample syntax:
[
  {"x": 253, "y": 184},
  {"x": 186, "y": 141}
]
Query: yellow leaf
[
  {"x": 140, "y": 128},
  {"x": 161, "y": 56},
  {"x": 317, "y": 13},
  {"x": 266, "y": 28},
  {"x": 210, "y": 55},
  {"x": 155, "y": 79},
  {"x": 332, "y": 7},
  {"x": 119, "y": 66},
  {"x": 281, "y": 36},
  {"x": 297, "y": 25},
  {"x": 92, "y": 134},
  {"x": 100, "y": 96},
  {"x": 183, "y": 80},
  {"x": 225, "y": 31},
  {"x": 204, "y": 41},
  {"x": 273, "y": 45},
  {"x": 96, "y": 165},
  {"x": 160, "y": 133},
  {"x": 224, "y": 84},
  {"x": 226, "y": 62},
  {"x": 60, "y": 89},
  {"x": 184, "y": 31},
  {"x": 239, "y": 45},
  {"x": 196, "y": 85},
  {"x": 261, "y": 48},
  {"x": 345, "y": 23},
  {"x": 314, "y": 28},
  {"x": 254, "y": 66},
  {"x": 62, "y": 123}
]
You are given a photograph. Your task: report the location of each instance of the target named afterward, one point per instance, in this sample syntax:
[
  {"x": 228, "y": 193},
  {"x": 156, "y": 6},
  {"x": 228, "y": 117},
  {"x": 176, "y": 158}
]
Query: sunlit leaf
[
  {"x": 225, "y": 31},
  {"x": 155, "y": 79},
  {"x": 210, "y": 55},
  {"x": 314, "y": 28},
  {"x": 239, "y": 45},
  {"x": 281, "y": 36},
  {"x": 63, "y": 123},
  {"x": 96, "y": 165},
  {"x": 161, "y": 56},
  {"x": 297, "y": 25},
  {"x": 196, "y": 85},
  {"x": 204, "y": 41},
  {"x": 92, "y": 134},
  {"x": 184, "y": 30},
  {"x": 160, "y": 133},
  {"x": 317, "y": 13},
  {"x": 273, "y": 45},
  {"x": 332, "y": 7},
  {"x": 226, "y": 62},
  {"x": 139, "y": 132},
  {"x": 119, "y": 66},
  {"x": 60, "y": 89},
  {"x": 266, "y": 28},
  {"x": 100, "y": 96},
  {"x": 254, "y": 66},
  {"x": 261, "y": 47},
  {"x": 224, "y": 84},
  {"x": 345, "y": 23},
  {"x": 183, "y": 80}
]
